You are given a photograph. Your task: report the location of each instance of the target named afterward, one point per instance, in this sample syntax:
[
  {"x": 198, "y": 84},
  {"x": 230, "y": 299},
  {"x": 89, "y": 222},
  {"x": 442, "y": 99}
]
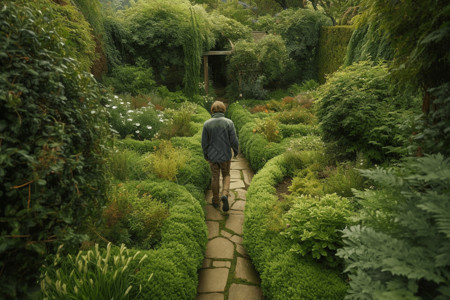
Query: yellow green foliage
[{"x": 166, "y": 161}]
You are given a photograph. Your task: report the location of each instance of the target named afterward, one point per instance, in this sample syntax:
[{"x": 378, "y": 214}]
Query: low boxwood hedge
[
  {"x": 255, "y": 147},
  {"x": 284, "y": 274}
]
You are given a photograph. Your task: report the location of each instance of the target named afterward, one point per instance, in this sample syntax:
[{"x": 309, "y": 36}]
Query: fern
[{"x": 402, "y": 248}]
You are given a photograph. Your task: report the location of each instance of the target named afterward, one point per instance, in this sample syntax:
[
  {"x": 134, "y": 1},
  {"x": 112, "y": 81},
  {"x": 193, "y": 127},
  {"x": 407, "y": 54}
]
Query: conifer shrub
[{"x": 52, "y": 132}]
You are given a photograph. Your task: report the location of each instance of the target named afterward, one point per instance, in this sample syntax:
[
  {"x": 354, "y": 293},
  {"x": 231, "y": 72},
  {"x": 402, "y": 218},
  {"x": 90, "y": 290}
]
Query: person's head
[{"x": 218, "y": 107}]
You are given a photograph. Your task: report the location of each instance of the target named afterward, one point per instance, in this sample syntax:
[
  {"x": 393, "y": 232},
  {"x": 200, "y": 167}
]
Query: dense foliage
[
  {"x": 403, "y": 243},
  {"x": 161, "y": 33},
  {"x": 255, "y": 64},
  {"x": 356, "y": 105},
  {"x": 51, "y": 130},
  {"x": 284, "y": 274},
  {"x": 300, "y": 30},
  {"x": 332, "y": 49}
]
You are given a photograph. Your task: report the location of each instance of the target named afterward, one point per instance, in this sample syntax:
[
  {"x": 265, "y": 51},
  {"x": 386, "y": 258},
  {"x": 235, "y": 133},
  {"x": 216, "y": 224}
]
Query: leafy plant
[
  {"x": 296, "y": 116},
  {"x": 141, "y": 123},
  {"x": 52, "y": 132},
  {"x": 343, "y": 179},
  {"x": 316, "y": 224},
  {"x": 145, "y": 220},
  {"x": 402, "y": 244},
  {"x": 178, "y": 121},
  {"x": 93, "y": 274},
  {"x": 300, "y": 28},
  {"x": 353, "y": 103},
  {"x": 125, "y": 164},
  {"x": 130, "y": 79},
  {"x": 166, "y": 160},
  {"x": 269, "y": 128}
]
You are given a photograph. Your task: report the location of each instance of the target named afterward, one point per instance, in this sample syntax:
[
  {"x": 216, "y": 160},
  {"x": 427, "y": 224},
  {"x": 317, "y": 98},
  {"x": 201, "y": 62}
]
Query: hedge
[
  {"x": 255, "y": 146},
  {"x": 180, "y": 254},
  {"x": 332, "y": 49},
  {"x": 284, "y": 274}
]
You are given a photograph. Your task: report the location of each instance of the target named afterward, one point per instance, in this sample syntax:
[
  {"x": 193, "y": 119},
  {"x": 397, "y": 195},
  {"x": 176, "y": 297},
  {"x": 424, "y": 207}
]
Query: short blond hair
[{"x": 218, "y": 106}]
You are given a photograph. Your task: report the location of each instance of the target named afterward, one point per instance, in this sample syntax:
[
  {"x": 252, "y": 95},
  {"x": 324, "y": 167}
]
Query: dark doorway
[{"x": 218, "y": 68}]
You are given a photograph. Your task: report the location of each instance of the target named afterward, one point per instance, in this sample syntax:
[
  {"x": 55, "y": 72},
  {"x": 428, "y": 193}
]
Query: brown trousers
[{"x": 216, "y": 169}]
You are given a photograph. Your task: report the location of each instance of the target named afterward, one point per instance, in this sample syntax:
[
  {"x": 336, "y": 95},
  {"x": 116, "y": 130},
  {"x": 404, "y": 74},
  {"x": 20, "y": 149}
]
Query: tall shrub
[
  {"x": 300, "y": 30},
  {"x": 354, "y": 107},
  {"x": 51, "y": 131}
]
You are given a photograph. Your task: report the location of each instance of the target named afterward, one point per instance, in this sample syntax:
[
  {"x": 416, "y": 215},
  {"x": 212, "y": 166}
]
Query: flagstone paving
[{"x": 227, "y": 272}]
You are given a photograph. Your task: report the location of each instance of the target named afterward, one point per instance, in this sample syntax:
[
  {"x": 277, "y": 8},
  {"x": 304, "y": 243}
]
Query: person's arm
[
  {"x": 205, "y": 143},
  {"x": 233, "y": 139}
]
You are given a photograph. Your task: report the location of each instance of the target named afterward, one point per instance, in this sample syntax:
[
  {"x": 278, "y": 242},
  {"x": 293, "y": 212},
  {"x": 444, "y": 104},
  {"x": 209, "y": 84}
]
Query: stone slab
[
  {"x": 206, "y": 263},
  {"x": 248, "y": 176},
  {"x": 246, "y": 271},
  {"x": 219, "y": 248},
  {"x": 212, "y": 280},
  {"x": 241, "y": 194},
  {"x": 241, "y": 250},
  {"x": 212, "y": 214},
  {"x": 210, "y": 296},
  {"x": 235, "y": 223},
  {"x": 213, "y": 229},
  {"x": 236, "y": 239},
  {"x": 237, "y": 185},
  {"x": 245, "y": 292},
  {"x": 239, "y": 165},
  {"x": 208, "y": 196},
  {"x": 238, "y": 205},
  {"x": 235, "y": 174},
  {"x": 222, "y": 264},
  {"x": 226, "y": 234}
]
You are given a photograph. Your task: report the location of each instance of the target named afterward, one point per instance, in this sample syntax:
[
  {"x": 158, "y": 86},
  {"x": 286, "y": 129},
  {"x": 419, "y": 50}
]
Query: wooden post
[{"x": 205, "y": 73}]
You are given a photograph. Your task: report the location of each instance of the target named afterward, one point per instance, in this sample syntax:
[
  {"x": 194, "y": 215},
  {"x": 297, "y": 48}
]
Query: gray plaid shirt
[{"x": 218, "y": 138}]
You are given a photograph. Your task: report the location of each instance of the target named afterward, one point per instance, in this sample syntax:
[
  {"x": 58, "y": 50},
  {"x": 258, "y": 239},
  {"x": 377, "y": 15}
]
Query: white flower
[
  {"x": 129, "y": 120},
  {"x": 114, "y": 107},
  {"x": 149, "y": 127},
  {"x": 130, "y": 111},
  {"x": 107, "y": 105},
  {"x": 137, "y": 124},
  {"x": 115, "y": 96},
  {"x": 137, "y": 131},
  {"x": 93, "y": 112}
]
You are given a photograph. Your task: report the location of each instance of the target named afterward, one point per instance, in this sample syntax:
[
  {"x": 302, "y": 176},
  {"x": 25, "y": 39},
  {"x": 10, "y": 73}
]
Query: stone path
[{"x": 227, "y": 272}]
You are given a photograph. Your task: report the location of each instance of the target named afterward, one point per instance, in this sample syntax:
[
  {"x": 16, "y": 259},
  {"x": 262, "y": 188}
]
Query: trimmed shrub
[
  {"x": 352, "y": 105},
  {"x": 52, "y": 133},
  {"x": 284, "y": 275},
  {"x": 333, "y": 43}
]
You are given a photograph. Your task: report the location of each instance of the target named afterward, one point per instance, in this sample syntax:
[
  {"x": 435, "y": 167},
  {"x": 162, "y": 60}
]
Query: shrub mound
[{"x": 284, "y": 274}]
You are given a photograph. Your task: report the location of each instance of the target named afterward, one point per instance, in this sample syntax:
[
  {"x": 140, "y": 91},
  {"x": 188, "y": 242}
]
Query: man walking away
[{"x": 218, "y": 138}]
